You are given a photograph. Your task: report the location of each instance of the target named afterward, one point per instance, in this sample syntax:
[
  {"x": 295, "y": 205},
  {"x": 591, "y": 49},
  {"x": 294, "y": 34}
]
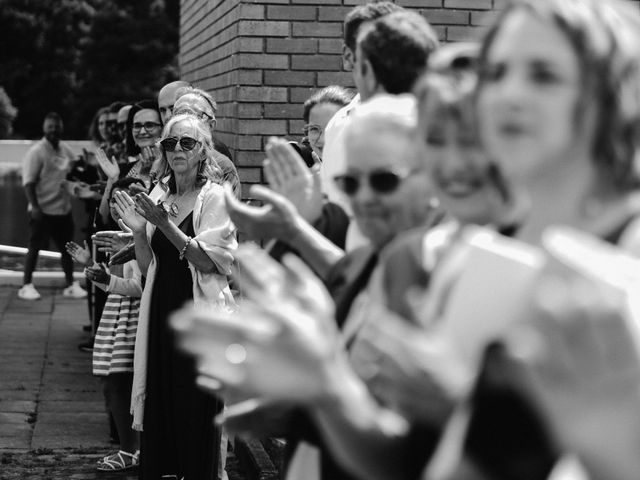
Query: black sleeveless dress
[{"x": 178, "y": 437}]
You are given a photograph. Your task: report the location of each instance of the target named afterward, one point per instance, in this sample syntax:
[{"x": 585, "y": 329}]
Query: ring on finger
[{"x": 235, "y": 354}]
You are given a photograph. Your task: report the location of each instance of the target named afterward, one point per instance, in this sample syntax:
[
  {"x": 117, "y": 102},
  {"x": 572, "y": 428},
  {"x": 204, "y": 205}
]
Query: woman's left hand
[
  {"x": 408, "y": 368},
  {"x": 152, "y": 212},
  {"x": 98, "y": 273}
]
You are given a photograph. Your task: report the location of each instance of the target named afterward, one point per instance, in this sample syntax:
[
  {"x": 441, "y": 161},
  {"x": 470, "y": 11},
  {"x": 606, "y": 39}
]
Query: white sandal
[{"x": 118, "y": 462}]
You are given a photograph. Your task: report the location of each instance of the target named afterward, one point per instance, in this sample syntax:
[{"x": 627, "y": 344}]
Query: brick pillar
[{"x": 261, "y": 59}]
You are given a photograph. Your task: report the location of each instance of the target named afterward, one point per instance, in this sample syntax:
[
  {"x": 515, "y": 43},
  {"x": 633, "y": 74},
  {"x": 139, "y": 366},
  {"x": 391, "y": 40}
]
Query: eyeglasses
[
  {"x": 148, "y": 126},
  {"x": 312, "y": 131},
  {"x": 122, "y": 126},
  {"x": 186, "y": 143},
  {"x": 380, "y": 181}
]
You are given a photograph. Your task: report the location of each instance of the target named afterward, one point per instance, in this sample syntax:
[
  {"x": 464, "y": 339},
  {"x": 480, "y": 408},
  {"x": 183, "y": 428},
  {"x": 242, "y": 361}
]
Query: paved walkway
[{"x": 53, "y": 423}]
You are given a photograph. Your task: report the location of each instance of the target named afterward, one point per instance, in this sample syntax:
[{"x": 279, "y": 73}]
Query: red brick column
[{"x": 261, "y": 59}]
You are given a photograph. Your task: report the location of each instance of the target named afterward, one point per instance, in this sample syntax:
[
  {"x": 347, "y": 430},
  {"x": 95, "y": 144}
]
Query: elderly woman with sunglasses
[{"x": 183, "y": 244}]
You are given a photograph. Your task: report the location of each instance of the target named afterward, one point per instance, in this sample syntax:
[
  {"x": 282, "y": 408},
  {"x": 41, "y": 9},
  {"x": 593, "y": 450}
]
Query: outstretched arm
[{"x": 278, "y": 218}]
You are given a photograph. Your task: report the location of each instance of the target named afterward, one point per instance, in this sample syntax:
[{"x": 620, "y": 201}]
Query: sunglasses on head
[
  {"x": 380, "y": 181},
  {"x": 186, "y": 143}
]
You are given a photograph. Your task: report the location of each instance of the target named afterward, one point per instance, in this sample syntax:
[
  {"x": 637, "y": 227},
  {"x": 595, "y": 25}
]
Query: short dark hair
[
  {"x": 130, "y": 145},
  {"x": 332, "y": 94},
  {"x": 398, "y": 46},
  {"x": 365, "y": 13},
  {"x": 53, "y": 116}
]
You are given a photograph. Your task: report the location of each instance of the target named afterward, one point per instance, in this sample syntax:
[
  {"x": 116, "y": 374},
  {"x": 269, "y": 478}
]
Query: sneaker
[
  {"x": 28, "y": 292},
  {"x": 74, "y": 291}
]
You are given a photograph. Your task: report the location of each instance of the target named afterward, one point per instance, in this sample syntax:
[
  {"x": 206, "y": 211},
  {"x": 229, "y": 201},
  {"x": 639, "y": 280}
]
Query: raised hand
[
  {"x": 277, "y": 218},
  {"x": 152, "y": 212},
  {"x": 149, "y": 154},
  {"x": 577, "y": 354},
  {"x": 109, "y": 166},
  {"x": 408, "y": 369},
  {"x": 125, "y": 255},
  {"x": 79, "y": 254},
  {"x": 111, "y": 241},
  {"x": 289, "y": 176},
  {"x": 129, "y": 214}
]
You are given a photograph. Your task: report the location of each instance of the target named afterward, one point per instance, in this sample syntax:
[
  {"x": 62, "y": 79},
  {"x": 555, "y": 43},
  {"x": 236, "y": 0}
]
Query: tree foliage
[
  {"x": 7, "y": 114},
  {"x": 74, "y": 56}
]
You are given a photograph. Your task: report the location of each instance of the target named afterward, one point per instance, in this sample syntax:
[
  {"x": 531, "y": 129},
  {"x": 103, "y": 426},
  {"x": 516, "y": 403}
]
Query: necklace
[{"x": 172, "y": 207}]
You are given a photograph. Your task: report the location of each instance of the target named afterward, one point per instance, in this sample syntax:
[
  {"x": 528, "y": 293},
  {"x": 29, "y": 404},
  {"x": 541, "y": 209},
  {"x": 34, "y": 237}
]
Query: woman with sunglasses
[
  {"x": 183, "y": 244},
  {"x": 199, "y": 103}
]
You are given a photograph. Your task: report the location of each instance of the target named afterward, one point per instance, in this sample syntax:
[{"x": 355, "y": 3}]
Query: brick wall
[{"x": 261, "y": 59}]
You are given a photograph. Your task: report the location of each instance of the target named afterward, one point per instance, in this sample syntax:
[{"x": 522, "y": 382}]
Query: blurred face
[
  {"x": 460, "y": 171},
  {"x": 181, "y": 160},
  {"x": 383, "y": 215},
  {"x": 112, "y": 127},
  {"x": 319, "y": 117},
  {"x": 123, "y": 114},
  {"x": 146, "y": 127},
  {"x": 52, "y": 130},
  {"x": 528, "y": 100},
  {"x": 102, "y": 125}
]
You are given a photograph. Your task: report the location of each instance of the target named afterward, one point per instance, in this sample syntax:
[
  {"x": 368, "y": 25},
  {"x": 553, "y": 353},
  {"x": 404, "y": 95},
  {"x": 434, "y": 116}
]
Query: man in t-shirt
[{"x": 44, "y": 171}]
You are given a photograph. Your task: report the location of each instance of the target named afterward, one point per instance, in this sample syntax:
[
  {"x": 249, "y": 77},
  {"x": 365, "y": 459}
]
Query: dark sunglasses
[
  {"x": 148, "y": 126},
  {"x": 380, "y": 181},
  {"x": 186, "y": 143}
]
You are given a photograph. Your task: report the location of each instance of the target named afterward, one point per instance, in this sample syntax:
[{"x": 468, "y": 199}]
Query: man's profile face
[
  {"x": 52, "y": 129},
  {"x": 166, "y": 98}
]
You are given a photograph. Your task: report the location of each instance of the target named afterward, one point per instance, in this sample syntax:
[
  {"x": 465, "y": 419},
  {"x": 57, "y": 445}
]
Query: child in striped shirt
[{"x": 115, "y": 340}]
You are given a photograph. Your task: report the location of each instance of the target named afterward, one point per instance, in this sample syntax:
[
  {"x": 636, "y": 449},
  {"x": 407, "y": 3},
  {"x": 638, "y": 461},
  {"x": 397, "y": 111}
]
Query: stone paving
[{"x": 53, "y": 423}]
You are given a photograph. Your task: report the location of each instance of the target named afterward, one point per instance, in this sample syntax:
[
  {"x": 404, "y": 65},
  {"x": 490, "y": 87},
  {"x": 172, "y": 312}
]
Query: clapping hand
[
  {"x": 111, "y": 241},
  {"x": 408, "y": 369},
  {"x": 152, "y": 212},
  {"x": 124, "y": 255},
  {"x": 577, "y": 354},
  {"x": 129, "y": 214},
  {"x": 149, "y": 154},
  {"x": 289, "y": 176},
  {"x": 277, "y": 218},
  {"x": 284, "y": 345},
  {"x": 109, "y": 166},
  {"x": 98, "y": 273},
  {"x": 79, "y": 254}
]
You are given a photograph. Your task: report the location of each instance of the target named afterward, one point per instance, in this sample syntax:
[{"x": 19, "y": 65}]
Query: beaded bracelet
[{"x": 184, "y": 249}]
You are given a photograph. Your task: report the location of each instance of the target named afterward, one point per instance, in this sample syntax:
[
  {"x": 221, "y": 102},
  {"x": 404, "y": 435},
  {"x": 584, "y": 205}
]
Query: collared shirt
[{"x": 47, "y": 167}]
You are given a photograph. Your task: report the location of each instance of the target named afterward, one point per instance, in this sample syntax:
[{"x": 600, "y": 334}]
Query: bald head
[{"x": 167, "y": 96}]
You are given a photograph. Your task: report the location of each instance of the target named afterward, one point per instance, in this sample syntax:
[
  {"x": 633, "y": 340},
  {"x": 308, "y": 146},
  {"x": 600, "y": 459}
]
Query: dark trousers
[{"x": 60, "y": 229}]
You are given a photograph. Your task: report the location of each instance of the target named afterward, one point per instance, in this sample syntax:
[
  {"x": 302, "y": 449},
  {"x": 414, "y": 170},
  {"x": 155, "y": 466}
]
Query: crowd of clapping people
[{"x": 443, "y": 278}]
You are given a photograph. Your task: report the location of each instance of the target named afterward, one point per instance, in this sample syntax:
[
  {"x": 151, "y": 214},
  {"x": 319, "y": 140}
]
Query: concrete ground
[{"x": 53, "y": 423}]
